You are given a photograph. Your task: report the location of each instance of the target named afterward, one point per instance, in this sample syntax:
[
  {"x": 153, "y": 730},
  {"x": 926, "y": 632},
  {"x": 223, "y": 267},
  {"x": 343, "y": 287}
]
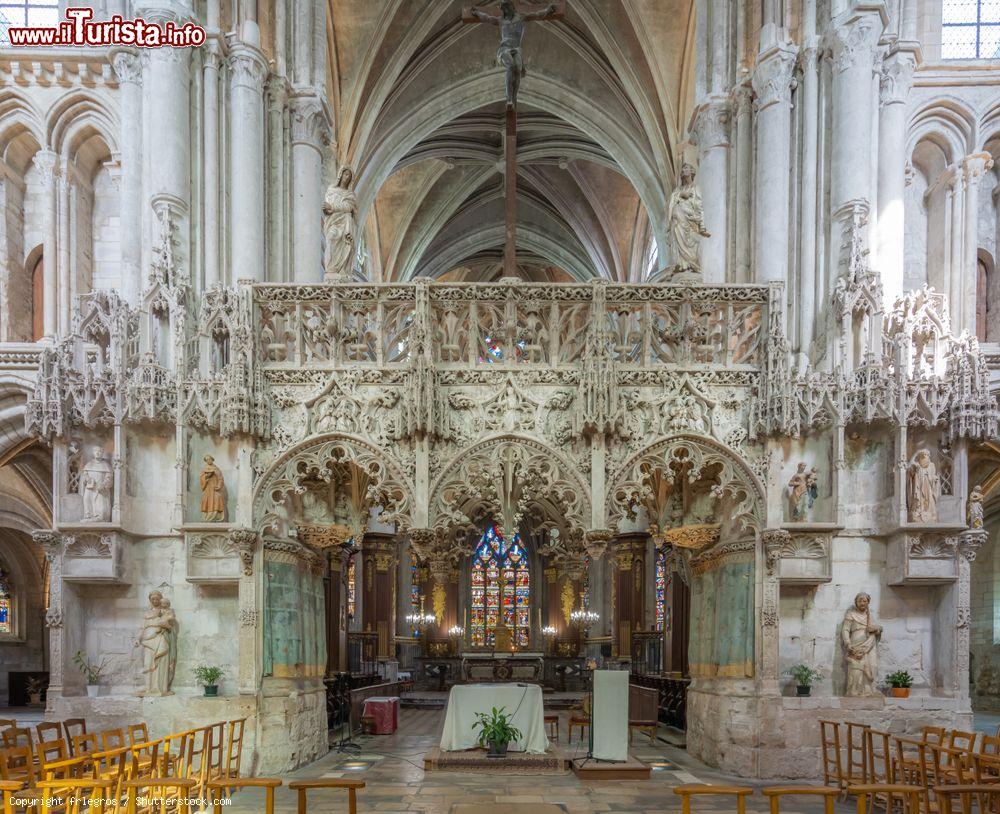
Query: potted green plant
[
  {"x": 35, "y": 687},
  {"x": 209, "y": 677},
  {"x": 900, "y": 682},
  {"x": 804, "y": 676},
  {"x": 495, "y": 731},
  {"x": 93, "y": 672}
]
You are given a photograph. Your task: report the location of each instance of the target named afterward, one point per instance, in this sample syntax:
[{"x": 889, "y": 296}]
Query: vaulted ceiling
[{"x": 418, "y": 108}]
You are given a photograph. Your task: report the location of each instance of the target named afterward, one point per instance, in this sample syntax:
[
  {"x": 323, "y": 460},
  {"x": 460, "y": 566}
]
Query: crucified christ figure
[{"x": 511, "y": 23}]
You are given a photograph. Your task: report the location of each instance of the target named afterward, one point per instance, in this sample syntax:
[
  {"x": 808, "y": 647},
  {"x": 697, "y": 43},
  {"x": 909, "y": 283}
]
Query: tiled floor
[{"x": 391, "y": 766}]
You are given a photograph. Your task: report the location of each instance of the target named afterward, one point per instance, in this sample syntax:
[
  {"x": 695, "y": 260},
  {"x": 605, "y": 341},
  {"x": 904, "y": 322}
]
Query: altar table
[
  {"x": 384, "y": 712},
  {"x": 524, "y": 701}
]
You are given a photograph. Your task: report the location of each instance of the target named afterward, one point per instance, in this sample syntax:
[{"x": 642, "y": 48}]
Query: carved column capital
[
  {"x": 774, "y": 540},
  {"x": 422, "y": 542},
  {"x": 309, "y": 122},
  {"x": 710, "y": 124},
  {"x": 772, "y": 77},
  {"x": 969, "y": 543},
  {"x": 245, "y": 541},
  {"x": 595, "y": 541},
  {"x": 128, "y": 67},
  {"x": 52, "y": 542},
  {"x": 974, "y": 167},
  {"x": 854, "y": 42},
  {"x": 896, "y": 78},
  {"x": 248, "y": 69},
  {"x": 47, "y": 163}
]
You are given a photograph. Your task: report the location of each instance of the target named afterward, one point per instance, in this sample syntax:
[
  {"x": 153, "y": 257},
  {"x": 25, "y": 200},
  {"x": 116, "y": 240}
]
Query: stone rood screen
[{"x": 511, "y": 325}]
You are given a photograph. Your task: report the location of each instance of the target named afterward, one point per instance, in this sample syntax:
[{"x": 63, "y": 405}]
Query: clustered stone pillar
[
  {"x": 772, "y": 84},
  {"x": 309, "y": 137},
  {"x": 712, "y": 133},
  {"x": 808, "y": 284},
  {"x": 52, "y": 544},
  {"x": 45, "y": 163},
  {"x": 378, "y": 591},
  {"x": 128, "y": 68},
  {"x": 210, "y": 163},
  {"x": 628, "y": 580},
  {"x": 248, "y": 69},
  {"x": 336, "y": 611}
]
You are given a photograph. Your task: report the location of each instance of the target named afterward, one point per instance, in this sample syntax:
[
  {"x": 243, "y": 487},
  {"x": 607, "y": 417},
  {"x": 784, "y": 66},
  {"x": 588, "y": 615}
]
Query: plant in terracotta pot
[
  {"x": 35, "y": 687},
  {"x": 91, "y": 671},
  {"x": 495, "y": 731},
  {"x": 900, "y": 682},
  {"x": 804, "y": 676},
  {"x": 209, "y": 678}
]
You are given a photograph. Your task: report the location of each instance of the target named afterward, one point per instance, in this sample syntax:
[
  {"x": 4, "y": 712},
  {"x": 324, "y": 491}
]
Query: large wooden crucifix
[{"x": 511, "y": 20}]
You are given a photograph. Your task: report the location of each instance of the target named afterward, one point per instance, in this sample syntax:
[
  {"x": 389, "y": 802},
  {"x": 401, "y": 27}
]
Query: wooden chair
[
  {"x": 48, "y": 732},
  {"x": 649, "y": 728},
  {"x": 989, "y": 745},
  {"x": 49, "y": 751},
  {"x": 17, "y": 763},
  {"x": 112, "y": 739},
  {"x": 73, "y": 727},
  {"x": 932, "y": 734},
  {"x": 234, "y": 748},
  {"x": 112, "y": 765},
  {"x": 352, "y": 786},
  {"x": 142, "y": 759},
  {"x": 580, "y": 718},
  {"x": 138, "y": 733},
  {"x": 775, "y": 793},
  {"x": 986, "y": 768},
  {"x": 197, "y": 759},
  {"x": 910, "y": 796},
  {"x": 552, "y": 725},
  {"x": 961, "y": 740},
  {"x": 216, "y": 748},
  {"x": 9, "y": 789},
  {"x": 70, "y": 768},
  {"x": 73, "y": 796},
  {"x": 173, "y": 755},
  {"x": 878, "y": 747},
  {"x": 911, "y": 764},
  {"x": 856, "y": 762},
  {"x": 84, "y": 744},
  {"x": 161, "y": 794},
  {"x": 690, "y": 790},
  {"x": 16, "y": 736},
  {"x": 951, "y": 766},
  {"x": 833, "y": 767},
  {"x": 987, "y": 798},
  {"x": 226, "y": 787}
]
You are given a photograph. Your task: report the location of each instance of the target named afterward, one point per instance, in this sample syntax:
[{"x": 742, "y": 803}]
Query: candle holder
[{"x": 549, "y": 633}]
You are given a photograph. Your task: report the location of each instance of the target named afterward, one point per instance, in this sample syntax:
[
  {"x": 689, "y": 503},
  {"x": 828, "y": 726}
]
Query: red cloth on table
[{"x": 384, "y": 712}]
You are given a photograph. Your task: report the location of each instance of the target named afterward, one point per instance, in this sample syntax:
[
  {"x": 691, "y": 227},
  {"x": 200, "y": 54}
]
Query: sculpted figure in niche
[
  {"x": 213, "y": 492},
  {"x": 803, "y": 488},
  {"x": 924, "y": 489},
  {"x": 158, "y": 640},
  {"x": 860, "y": 635},
  {"x": 686, "y": 218},
  {"x": 340, "y": 211},
  {"x": 96, "y": 480},
  {"x": 975, "y": 510}
]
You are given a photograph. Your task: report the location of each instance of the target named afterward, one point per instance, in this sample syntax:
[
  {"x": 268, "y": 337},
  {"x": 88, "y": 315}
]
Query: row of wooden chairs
[
  {"x": 855, "y": 753},
  {"x": 910, "y": 797},
  {"x": 99, "y": 795}
]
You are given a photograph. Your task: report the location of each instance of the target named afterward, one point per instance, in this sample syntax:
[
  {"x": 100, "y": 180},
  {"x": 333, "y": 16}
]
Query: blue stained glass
[{"x": 499, "y": 566}]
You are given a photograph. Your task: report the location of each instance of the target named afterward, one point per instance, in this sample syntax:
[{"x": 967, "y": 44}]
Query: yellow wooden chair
[{"x": 352, "y": 786}]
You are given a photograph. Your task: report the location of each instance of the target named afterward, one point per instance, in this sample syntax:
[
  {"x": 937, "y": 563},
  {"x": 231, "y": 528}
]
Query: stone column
[
  {"x": 64, "y": 270},
  {"x": 128, "y": 68},
  {"x": 211, "y": 163},
  {"x": 855, "y": 38},
  {"x": 808, "y": 205},
  {"x": 378, "y": 590},
  {"x": 772, "y": 540},
  {"x": 772, "y": 84},
  {"x": 45, "y": 162},
  {"x": 245, "y": 541},
  {"x": 309, "y": 136},
  {"x": 969, "y": 543},
  {"x": 964, "y": 309},
  {"x": 742, "y": 174},
  {"x": 248, "y": 70},
  {"x": 53, "y": 544},
  {"x": 628, "y": 563},
  {"x": 894, "y": 88},
  {"x": 711, "y": 130}
]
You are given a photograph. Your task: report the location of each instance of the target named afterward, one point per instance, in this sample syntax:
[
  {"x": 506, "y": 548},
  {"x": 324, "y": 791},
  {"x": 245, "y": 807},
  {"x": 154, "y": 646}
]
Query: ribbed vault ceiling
[{"x": 418, "y": 104}]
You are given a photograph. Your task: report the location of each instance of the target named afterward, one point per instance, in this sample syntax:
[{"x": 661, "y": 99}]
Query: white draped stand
[{"x": 524, "y": 701}]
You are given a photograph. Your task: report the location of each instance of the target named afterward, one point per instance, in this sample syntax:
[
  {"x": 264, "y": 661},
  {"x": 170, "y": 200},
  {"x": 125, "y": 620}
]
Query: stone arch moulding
[
  {"x": 511, "y": 475},
  {"x": 736, "y": 480},
  {"x": 313, "y": 457}
]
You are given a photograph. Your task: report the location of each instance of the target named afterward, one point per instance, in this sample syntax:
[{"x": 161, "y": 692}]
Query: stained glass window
[
  {"x": 414, "y": 584},
  {"x": 661, "y": 589},
  {"x": 6, "y": 605},
  {"x": 970, "y": 29},
  {"x": 351, "y": 591},
  {"x": 501, "y": 581}
]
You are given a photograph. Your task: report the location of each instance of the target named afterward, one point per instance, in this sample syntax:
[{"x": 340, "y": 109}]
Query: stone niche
[
  {"x": 212, "y": 555},
  {"x": 922, "y": 557},
  {"x": 805, "y": 555},
  {"x": 95, "y": 554}
]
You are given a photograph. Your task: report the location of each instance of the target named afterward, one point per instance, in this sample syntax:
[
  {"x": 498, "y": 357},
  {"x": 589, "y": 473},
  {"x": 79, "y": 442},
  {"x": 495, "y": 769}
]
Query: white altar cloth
[{"x": 524, "y": 701}]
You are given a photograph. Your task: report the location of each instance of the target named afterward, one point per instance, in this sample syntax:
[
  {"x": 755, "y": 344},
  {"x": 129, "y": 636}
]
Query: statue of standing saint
[
  {"x": 340, "y": 210},
  {"x": 975, "y": 507},
  {"x": 860, "y": 635},
  {"x": 686, "y": 218},
  {"x": 213, "y": 492},
  {"x": 159, "y": 646},
  {"x": 924, "y": 489},
  {"x": 509, "y": 55},
  {"x": 96, "y": 480}
]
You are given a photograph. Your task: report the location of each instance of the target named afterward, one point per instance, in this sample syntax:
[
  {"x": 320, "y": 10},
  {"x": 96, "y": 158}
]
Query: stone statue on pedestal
[
  {"x": 96, "y": 481},
  {"x": 975, "y": 509},
  {"x": 860, "y": 635},
  {"x": 803, "y": 488},
  {"x": 158, "y": 640},
  {"x": 686, "y": 218},
  {"x": 340, "y": 211},
  {"x": 924, "y": 488},
  {"x": 213, "y": 490}
]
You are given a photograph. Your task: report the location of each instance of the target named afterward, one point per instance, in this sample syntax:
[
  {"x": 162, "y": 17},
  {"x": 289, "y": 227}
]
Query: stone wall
[{"x": 984, "y": 643}]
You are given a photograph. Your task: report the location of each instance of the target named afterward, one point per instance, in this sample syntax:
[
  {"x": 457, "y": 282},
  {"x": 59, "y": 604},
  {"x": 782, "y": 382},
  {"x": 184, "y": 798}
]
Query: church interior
[{"x": 418, "y": 405}]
